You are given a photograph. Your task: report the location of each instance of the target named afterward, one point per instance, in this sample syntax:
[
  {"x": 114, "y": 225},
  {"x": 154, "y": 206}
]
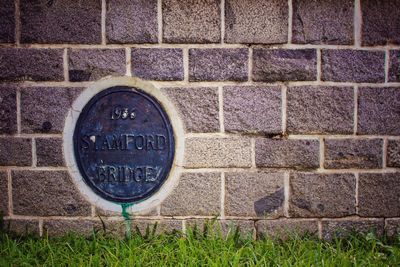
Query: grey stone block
[
  {"x": 343, "y": 228},
  {"x": 286, "y": 228},
  {"x": 8, "y": 110},
  {"x": 7, "y": 21},
  {"x": 394, "y": 66},
  {"x": 49, "y": 152},
  {"x": 4, "y": 193},
  {"x": 393, "y": 153},
  {"x": 15, "y": 151}
]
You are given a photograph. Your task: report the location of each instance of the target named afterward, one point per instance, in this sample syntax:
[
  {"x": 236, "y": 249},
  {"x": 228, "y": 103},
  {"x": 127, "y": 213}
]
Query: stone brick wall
[{"x": 291, "y": 109}]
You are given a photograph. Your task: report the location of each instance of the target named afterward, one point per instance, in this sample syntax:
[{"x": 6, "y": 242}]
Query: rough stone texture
[
  {"x": 225, "y": 227},
  {"x": 217, "y": 152},
  {"x": 380, "y": 22},
  {"x": 7, "y": 21},
  {"x": 285, "y": 228},
  {"x": 63, "y": 227},
  {"x": 147, "y": 213},
  {"x": 275, "y": 153},
  {"x": 392, "y": 227},
  {"x": 323, "y": 22},
  {"x": 160, "y": 64},
  {"x": 130, "y": 21},
  {"x": 378, "y": 111},
  {"x": 21, "y": 227},
  {"x": 191, "y": 21},
  {"x": 320, "y": 109},
  {"x": 8, "y": 110},
  {"x": 322, "y": 195},
  {"x": 244, "y": 227},
  {"x": 49, "y": 152},
  {"x": 43, "y": 109},
  {"x": 252, "y": 109},
  {"x": 257, "y": 194},
  {"x": 345, "y": 65},
  {"x": 15, "y": 151},
  {"x": 271, "y": 65},
  {"x": 394, "y": 66},
  {"x": 198, "y": 108},
  {"x": 342, "y": 228},
  {"x": 393, "y": 153},
  {"x": 196, "y": 194},
  {"x": 256, "y": 21},
  {"x": 47, "y": 193},
  {"x": 160, "y": 226},
  {"x": 218, "y": 64},
  {"x": 19, "y": 64},
  {"x": 94, "y": 64},
  {"x": 61, "y": 21},
  {"x": 353, "y": 153},
  {"x": 378, "y": 195},
  {"x": 4, "y": 194}
]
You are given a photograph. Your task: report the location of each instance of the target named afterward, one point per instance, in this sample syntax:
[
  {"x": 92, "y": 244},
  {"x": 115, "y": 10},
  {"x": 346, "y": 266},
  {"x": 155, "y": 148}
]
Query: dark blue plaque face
[{"x": 124, "y": 144}]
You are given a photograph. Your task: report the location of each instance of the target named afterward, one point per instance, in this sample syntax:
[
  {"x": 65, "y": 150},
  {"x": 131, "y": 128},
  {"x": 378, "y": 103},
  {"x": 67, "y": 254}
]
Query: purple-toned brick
[
  {"x": 49, "y": 152},
  {"x": 345, "y": 65},
  {"x": 15, "y": 151},
  {"x": 8, "y": 110},
  {"x": 3, "y": 194},
  {"x": 7, "y": 21},
  {"x": 393, "y": 153},
  {"x": 22, "y": 227},
  {"x": 271, "y": 65},
  {"x": 217, "y": 64},
  {"x": 394, "y": 66},
  {"x": 343, "y": 228},
  {"x": 63, "y": 227}
]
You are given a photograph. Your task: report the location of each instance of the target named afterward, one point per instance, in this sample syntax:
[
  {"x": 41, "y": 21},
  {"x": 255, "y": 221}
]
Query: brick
[
  {"x": 49, "y": 152},
  {"x": 343, "y": 228},
  {"x": 218, "y": 64},
  {"x": 322, "y": 195},
  {"x": 43, "y": 109},
  {"x": 378, "y": 195},
  {"x": 54, "y": 194},
  {"x": 196, "y": 194},
  {"x": 345, "y": 65},
  {"x": 298, "y": 154},
  {"x": 217, "y": 152},
  {"x": 157, "y": 64},
  {"x": 257, "y": 194},
  {"x": 198, "y": 108},
  {"x": 223, "y": 227},
  {"x": 271, "y": 65},
  {"x": 393, "y": 153},
  {"x": 353, "y": 153},
  {"x": 160, "y": 226},
  {"x": 320, "y": 109},
  {"x": 378, "y": 111},
  {"x": 392, "y": 227},
  {"x": 323, "y": 22},
  {"x": 286, "y": 228},
  {"x": 4, "y": 194},
  {"x": 257, "y": 22},
  {"x": 394, "y": 66},
  {"x": 21, "y": 227},
  {"x": 93, "y": 64},
  {"x": 106, "y": 213},
  {"x": 62, "y": 21},
  {"x": 63, "y": 227},
  {"x": 191, "y": 21},
  {"x": 244, "y": 227},
  {"x": 252, "y": 109},
  {"x": 8, "y": 107},
  {"x": 15, "y": 151},
  {"x": 131, "y": 21},
  {"x": 380, "y": 22},
  {"x": 19, "y": 64},
  {"x": 7, "y": 21}
]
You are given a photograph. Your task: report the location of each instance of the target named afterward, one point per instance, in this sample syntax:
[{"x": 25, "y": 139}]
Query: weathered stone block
[
  {"x": 285, "y": 228},
  {"x": 378, "y": 111},
  {"x": 218, "y": 64},
  {"x": 252, "y": 109},
  {"x": 392, "y": 227},
  {"x": 271, "y": 65},
  {"x": 217, "y": 152},
  {"x": 378, "y": 195},
  {"x": 93, "y": 64},
  {"x": 345, "y": 65},
  {"x": 224, "y": 227},
  {"x": 298, "y": 154},
  {"x": 49, "y": 152},
  {"x": 393, "y": 153},
  {"x": 320, "y": 109},
  {"x": 15, "y": 151},
  {"x": 353, "y": 153},
  {"x": 323, "y": 22},
  {"x": 8, "y": 110},
  {"x": 257, "y": 194},
  {"x": 63, "y": 227},
  {"x": 322, "y": 195},
  {"x": 191, "y": 21},
  {"x": 18, "y": 64},
  {"x": 244, "y": 227},
  {"x": 47, "y": 193},
  {"x": 160, "y": 64},
  {"x": 21, "y": 227},
  {"x": 196, "y": 194},
  {"x": 160, "y": 226},
  {"x": 131, "y": 21},
  {"x": 7, "y": 21},
  {"x": 61, "y": 21},
  {"x": 394, "y": 66},
  {"x": 256, "y": 21},
  {"x": 43, "y": 109},
  {"x": 342, "y": 228},
  {"x": 4, "y": 193},
  {"x": 380, "y": 22},
  {"x": 198, "y": 108}
]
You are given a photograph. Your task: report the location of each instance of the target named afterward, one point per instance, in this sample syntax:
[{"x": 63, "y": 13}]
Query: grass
[{"x": 197, "y": 248}]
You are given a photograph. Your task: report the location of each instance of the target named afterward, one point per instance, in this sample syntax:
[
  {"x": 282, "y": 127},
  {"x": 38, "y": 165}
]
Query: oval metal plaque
[{"x": 124, "y": 144}]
